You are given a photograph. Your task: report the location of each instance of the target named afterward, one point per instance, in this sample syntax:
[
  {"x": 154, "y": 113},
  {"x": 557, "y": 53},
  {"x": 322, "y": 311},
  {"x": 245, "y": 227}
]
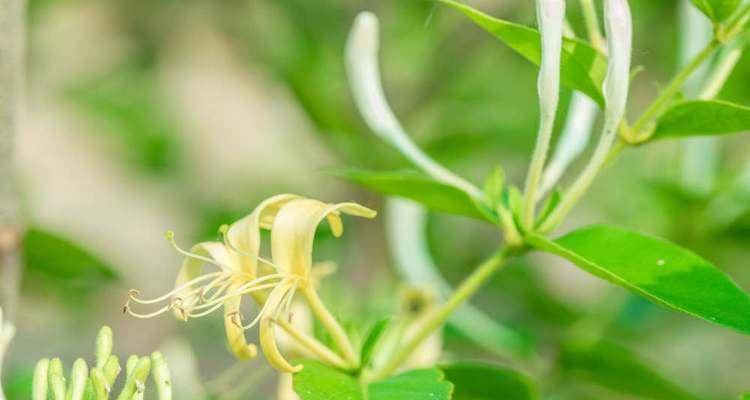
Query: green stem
[
  {"x": 464, "y": 292},
  {"x": 332, "y": 326},
  {"x": 592, "y": 24},
  {"x": 654, "y": 110}
]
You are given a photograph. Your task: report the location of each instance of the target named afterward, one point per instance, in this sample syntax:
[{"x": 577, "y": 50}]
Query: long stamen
[
  {"x": 170, "y": 238},
  {"x": 230, "y": 295},
  {"x": 146, "y": 316},
  {"x": 218, "y": 275},
  {"x": 223, "y": 231},
  {"x": 277, "y": 292}
]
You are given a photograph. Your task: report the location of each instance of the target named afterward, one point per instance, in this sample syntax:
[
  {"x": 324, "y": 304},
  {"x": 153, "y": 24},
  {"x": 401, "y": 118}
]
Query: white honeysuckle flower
[
  {"x": 364, "y": 77},
  {"x": 619, "y": 29},
  {"x": 573, "y": 140},
  {"x": 550, "y": 17}
]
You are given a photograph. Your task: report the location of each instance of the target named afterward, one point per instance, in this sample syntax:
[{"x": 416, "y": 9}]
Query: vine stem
[
  {"x": 469, "y": 286},
  {"x": 670, "y": 91},
  {"x": 332, "y": 326}
]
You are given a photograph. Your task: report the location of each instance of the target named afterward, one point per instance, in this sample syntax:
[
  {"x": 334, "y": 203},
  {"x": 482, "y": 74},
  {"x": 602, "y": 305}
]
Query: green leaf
[
  {"x": 373, "y": 336},
  {"x": 61, "y": 259},
  {"x": 582, "y": 67},
  {"x": 615, "y": 367},
  {"x": 552, "y": 201},
  {"x": 423, "y": 189},
  {"x": 418, "y": 384},
  {"x": 657, "y": 269},
  {"x": 318, "y": 381},
  {"x": 717, "y": 10},
  {"x": 703, "y": 117},
  {"x": 475, "y": 381}
]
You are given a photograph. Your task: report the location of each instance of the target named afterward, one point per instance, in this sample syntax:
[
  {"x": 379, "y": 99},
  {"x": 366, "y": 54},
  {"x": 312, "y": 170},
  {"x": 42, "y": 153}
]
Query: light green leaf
[
  {"x": 475, "y": 381},
  {"x": 656, "y": 269},
  {"x": 703, "y": 117},
  {"x": 615, "y": 367},
  {"x": 717, "y": 10},
  {"x": 373, "y": 336},
  {"x": 423, "y": 189},
  {"x": 418, "y": 384},
  {"x": 318, "y": 381},
  {"x": 61, "y": 259},
  {"x": 582, "y": 67}
]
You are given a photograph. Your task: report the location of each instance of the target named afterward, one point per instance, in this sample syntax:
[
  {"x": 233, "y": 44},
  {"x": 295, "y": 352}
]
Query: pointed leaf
[
  {"x": 656, "y": 269},
  {"x": 318, "y": 381},
  {"x": 703, "y": 117},
  {"x": 418, "y": 384},
  {"x": 615, "y": 367},
  {"x": 61, "y": 259},
  {"x": 582, "y": 67},
  {"x": 476, "y": 381},
  {"x": 717, "y": 10},
  {"x": 423, "y": 189},
  {"x": 373, "y": 336}
]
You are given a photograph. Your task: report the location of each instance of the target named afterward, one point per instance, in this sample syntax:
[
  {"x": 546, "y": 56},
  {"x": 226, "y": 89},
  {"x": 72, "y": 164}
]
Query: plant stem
[
  {"x": 670, "y": 91},
  {"x": 463, "y": 292},
  {"x": 312, "y": 345},
  {"x": 332, "y": 326},
  {"x": 592, "y": 24}
]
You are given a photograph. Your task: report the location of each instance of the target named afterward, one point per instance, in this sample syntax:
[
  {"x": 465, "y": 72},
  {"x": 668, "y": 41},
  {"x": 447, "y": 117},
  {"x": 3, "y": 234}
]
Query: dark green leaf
[
  {"x": 656, "y": 269},
  {"x": 615, "y": 367},
  {"x": 320, "y": 382},
  {"x": 582, "y": 67},
  {"x": 431, "y": 193},
  {"x": 61, "y": 259},
  {"x": 717, "y": 10},
  {"x": 703, "y": 117},
  {"x": 418, "y": 384},
  {"x": 372, "y": 339},
  {"x": 475, "y": 381}
]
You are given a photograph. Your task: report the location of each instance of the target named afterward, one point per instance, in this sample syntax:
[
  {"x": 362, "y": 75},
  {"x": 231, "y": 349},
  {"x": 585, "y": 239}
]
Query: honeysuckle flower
[
  {"x": 550, "y": 17},
  {"x": 364, "y": 78},
  {"x": 292, "y": 221},
  {"x": 619, "y": 29},
  {"x": 573, "y": 140}
]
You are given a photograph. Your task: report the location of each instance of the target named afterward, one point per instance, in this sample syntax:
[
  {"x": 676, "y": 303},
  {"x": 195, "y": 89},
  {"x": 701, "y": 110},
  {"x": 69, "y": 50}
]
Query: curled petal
[
  {"x": 233, "y": 327},
  {"x": 293, "y": 232},
  {"x": 271, "y": 351},
  {"x": 244, "y": 235}
]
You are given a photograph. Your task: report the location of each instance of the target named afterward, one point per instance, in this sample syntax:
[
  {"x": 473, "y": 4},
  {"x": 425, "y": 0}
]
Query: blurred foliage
[{"x": 471, "y": 103}]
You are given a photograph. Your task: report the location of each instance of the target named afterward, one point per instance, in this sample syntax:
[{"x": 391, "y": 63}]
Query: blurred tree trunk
[{"x": 12, "y": 21}]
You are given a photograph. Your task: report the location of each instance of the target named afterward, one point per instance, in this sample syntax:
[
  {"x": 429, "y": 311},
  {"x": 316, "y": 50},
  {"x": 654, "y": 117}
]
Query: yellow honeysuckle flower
[{"x": 292, "y": 221}]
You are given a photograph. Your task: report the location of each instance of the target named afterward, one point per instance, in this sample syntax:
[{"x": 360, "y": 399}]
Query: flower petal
[
  {"x": 293, "y": 231},
  {"x": 193, "y": 267},
  {"x": 244, "y": 235},
  {"x": 233, "y": 327},
  {"x": 271, "y": 351}
]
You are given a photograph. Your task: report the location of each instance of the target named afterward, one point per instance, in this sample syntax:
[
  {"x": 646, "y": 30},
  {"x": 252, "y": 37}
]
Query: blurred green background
[{"x": 144, "y": 116}]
